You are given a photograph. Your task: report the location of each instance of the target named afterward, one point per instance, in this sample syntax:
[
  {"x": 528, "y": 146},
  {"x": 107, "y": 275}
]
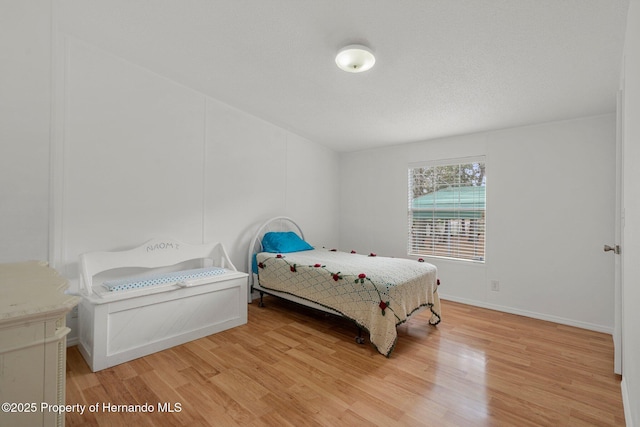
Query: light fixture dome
[{"x": 355, "y": 58}]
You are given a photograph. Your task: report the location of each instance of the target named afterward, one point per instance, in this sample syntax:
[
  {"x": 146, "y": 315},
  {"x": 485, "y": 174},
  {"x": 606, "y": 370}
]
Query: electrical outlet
[{"x": 495, "y": 286}]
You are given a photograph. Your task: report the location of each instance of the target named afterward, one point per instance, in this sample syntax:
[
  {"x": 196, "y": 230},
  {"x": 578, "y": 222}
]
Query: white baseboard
[
  {"x": 532, "y": 314},
  {"x": 625, "y": 402}
]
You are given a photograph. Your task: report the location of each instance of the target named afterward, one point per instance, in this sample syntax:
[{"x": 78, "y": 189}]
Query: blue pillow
[
  {"x": 283, "y": 242},
  {"x": 254, "y": 263}
]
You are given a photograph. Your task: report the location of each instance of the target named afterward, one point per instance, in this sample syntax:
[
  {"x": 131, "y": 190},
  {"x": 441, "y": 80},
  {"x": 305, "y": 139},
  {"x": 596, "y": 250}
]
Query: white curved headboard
[{"x": 279, "y": 223}]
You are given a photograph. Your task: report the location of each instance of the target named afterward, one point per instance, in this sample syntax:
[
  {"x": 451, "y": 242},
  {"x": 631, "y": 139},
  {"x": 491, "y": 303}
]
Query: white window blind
[{"x": 447, "y": 209}]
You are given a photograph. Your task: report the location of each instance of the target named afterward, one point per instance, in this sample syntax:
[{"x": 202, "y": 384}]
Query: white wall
[
  {"x": 631, "y": 230},
  {"x": 550, "y": 207},
  {"x": 130, "y": 156},
  {"x": 25, "y": 102},
  {"x": 256, "y": 171},
  {"x": 139, "y": 156}
]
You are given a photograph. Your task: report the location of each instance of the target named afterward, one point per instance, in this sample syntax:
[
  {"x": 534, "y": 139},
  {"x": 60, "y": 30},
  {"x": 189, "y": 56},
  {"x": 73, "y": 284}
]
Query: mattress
[{"x": 377, "y": 293}]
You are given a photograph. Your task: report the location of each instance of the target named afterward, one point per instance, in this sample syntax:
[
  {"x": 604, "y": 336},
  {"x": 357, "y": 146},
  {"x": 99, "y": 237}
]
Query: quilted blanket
[{"x": 377, "y": 293}]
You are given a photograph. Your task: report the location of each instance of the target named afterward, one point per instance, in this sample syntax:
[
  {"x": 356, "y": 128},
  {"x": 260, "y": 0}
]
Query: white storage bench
[{"x": 156, "y": 296}]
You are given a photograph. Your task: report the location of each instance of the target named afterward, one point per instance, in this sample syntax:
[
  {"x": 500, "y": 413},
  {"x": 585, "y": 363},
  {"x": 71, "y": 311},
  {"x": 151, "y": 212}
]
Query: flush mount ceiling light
[{"x": 355, "y": 58}]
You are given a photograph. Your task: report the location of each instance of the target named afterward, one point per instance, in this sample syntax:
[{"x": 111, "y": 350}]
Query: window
[{"x": 446, "y": 214}]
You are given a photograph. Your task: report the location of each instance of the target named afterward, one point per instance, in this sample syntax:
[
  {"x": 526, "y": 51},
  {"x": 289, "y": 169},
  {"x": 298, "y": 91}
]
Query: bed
[{"x": 377, "y": 293}]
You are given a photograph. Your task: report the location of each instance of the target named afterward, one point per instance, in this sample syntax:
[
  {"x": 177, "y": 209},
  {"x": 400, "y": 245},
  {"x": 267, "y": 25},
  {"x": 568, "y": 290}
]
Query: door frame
[{"x": 619, "y": 236}]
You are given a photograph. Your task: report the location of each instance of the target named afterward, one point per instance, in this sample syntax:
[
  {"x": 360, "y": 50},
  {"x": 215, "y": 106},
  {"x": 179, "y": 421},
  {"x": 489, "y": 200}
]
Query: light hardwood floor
[{"x": 291, "y": 366}]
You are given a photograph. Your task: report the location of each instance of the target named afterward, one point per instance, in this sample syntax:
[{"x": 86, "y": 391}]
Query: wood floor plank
[
  {"x": 213, "y": 406},
  {"x": 293, "y": 366}
]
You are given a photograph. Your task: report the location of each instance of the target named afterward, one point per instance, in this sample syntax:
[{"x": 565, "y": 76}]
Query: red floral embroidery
[
  {"x": 317, "y": 265},
  {"x": 372, "y": 254},
  {"x": 353, "y": 252},
  {"x": 261, "y": 265},
  {"x": 420, "y": 259},
  {"x": 336, "y": 277},
  {"x": 279, "y": 256},
  {"x": 293, "y": 268},
  {"x": 383, "y": 305},
  {"x": 438, "y": 282},
  {"x": 362, "y": 276}
]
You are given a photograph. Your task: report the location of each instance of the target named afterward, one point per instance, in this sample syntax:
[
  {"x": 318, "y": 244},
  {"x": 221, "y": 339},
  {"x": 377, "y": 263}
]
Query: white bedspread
[{"x": 378, "y": 293}]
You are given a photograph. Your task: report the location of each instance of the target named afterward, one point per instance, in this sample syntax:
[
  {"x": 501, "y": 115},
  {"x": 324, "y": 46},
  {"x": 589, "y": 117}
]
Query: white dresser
[{"x": 33, "y": 334}]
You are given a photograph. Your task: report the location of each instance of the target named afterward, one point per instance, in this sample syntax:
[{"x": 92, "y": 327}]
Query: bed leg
[
  {"x": 359, "y": 338},
  {"x": 261, "y": 303}
]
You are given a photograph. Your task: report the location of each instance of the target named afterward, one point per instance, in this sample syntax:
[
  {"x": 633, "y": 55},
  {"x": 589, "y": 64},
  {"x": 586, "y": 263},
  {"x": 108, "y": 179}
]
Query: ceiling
[{"x": 443, "y": 67}]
